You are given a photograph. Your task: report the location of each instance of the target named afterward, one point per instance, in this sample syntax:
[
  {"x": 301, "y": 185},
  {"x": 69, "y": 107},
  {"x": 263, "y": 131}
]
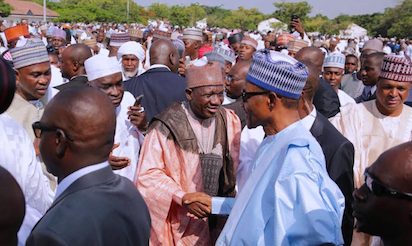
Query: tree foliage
[
  {"x": 5, "y": 9},
  {"x": 285, "y": 10}
]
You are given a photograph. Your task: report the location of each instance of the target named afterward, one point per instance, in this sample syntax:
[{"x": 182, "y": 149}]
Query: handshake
[{"x": 198, "y": 204}]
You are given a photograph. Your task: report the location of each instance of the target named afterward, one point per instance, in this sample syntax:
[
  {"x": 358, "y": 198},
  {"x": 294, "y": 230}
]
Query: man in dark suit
[
  {"x": 339, "y": 152},
  {"x": 326, "y": 100},
  {"x": 160, "y": 84},
  {"x": 72, "y": 66},
  {"x": 93, "y": 206},
  {"x": 371, "y": 68}
]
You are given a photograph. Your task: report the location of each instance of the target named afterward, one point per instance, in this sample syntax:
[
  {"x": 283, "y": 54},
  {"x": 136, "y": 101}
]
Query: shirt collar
[
  {"x": 159, "y": 66},
  {"x": 67, "y": 181},
  {"x": 373, "y": 89},
  {"x": 308, "y": 120}
]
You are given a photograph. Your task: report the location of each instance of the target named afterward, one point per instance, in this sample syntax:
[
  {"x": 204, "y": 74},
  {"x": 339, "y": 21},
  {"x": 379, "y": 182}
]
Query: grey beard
[{"x": 130, "y": 74}]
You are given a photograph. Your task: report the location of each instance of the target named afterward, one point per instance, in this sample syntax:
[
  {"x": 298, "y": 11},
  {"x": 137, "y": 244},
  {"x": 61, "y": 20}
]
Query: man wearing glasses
[
  {"x": 383, "y": 204},
  {"x": 288, "y": 197}
]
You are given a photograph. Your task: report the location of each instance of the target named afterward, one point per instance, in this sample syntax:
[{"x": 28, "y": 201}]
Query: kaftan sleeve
[
  {"x": 309, "y": 205},
  {"x": 222, "y": 205}
]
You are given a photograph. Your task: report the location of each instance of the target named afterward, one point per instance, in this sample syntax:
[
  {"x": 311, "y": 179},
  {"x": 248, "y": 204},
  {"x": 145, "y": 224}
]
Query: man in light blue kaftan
[{"x": 288, "y": 198}]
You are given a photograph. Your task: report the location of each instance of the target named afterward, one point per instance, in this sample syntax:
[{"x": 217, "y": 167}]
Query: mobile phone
[
  {"x": 295, "y": 17},
  {"x": 138, "y": 100}
]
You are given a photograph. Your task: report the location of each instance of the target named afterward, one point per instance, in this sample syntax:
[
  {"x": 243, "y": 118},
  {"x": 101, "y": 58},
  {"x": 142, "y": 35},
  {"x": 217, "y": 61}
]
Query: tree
[
  {"x": 195, "y": 13},
  {"x": 161, "y": 11},
  {"x": 285, "y": 10},
  {"x": 5, "y": 9},
  {"x": 178, "y": 16},
  {"x": 242, "y": 18}
]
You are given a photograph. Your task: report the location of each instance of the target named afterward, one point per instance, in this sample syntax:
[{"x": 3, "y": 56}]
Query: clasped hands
[{"x": 198, "y": 204}]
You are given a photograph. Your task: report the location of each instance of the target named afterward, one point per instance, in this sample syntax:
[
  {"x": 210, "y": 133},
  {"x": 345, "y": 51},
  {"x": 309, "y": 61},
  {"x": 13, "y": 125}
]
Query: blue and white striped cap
[
  {"x": 335, "y": 59},
  {"x": 32, "y": 52},
  {"x": 278, "y": 72}
]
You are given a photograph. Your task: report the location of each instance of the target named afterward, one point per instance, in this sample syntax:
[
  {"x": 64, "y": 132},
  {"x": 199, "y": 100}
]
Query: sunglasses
[
  {"x": 379, "y": 189},
  {"x": 38, "y": 129},
  {"x": 247, "y": 95},
  {"x": 230, "y": 79}
]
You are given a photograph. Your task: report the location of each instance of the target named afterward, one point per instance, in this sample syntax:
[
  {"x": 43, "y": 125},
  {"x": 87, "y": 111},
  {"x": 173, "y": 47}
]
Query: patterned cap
[
  {"x": 13, "y": 33},
  {"x": 296, "y": 45},
  {"x": 193, "y": 33},
  {"x": 162, "y": 35},
  {"x": 136, "y": 33},
  {"x": 226, "y": 52},
  {"x": 373, "y": 44},
  {"x": 207, "y": 75},
  {"x": 235, "y": 38},
  {"x": 219, "y": 36},
  {"x": 174, "y": 36},
  {"x": 59, "y": 33},
  {"x": 284, "y": 39},
  {"x": 214, "y": 56},
  {"x": 90, "y": 42},
  {"x": 101, "y": 66},
  {"x": 396, "y": 68},
  {"x": 249, "y": 41},
  {"x": 278, "y": 72},
  {"x": 180, "y": 46},
  {"x": 335, "y": 59},
  {"x": 33, "y": 52},
  {"x": 317, "y": 43},
  {"x": 117, "y": 39}
]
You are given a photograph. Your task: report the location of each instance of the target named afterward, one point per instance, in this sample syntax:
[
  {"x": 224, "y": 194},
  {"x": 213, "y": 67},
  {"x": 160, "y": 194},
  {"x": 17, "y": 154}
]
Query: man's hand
[
  {"x": 182, "y": 66},
  {"x": 197, "y": 204},
  {"x": 118, "y": 163},
  {"x": 138, "y": 117},
  {"x": 297, "y": 24}
]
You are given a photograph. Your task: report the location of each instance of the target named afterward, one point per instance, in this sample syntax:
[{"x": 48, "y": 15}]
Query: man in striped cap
[
  {"x": 378, "y": 125},
  {"x": 192, "y": 37},
  {"x": 191, "y": 147},
  {"x": 248, "y": 46},
  {"x": 33, "y": 76},
  {"x": 288, "y": 191}
]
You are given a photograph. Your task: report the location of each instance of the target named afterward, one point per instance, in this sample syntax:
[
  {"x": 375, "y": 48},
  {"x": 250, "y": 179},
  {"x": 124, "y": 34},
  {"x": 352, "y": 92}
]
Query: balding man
[
  {"x": 160, "y": 85},
  {"x": 235, "y": 81},
  {"x": 92, "y": 204},
  {"x": 383, "y": 204},
  {"x": 12, "y": 208},
  {"x": 72, "y": 66},
  {"x": 326, "y": 100}
]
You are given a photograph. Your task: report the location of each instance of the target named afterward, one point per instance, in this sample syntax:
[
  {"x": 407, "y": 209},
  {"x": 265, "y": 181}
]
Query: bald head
[
  {"x": 12, "y": 207},
  {"x": 312, "y": 83},
  {"x": 73, "y": 59},
  {"x": 311, "y": 54},
  {"x": 85, "y": 115},
  {"x": 164, "y": 52}
]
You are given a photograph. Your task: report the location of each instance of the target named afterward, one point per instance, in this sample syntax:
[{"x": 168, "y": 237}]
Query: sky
[{"x": 330, "y": 8}]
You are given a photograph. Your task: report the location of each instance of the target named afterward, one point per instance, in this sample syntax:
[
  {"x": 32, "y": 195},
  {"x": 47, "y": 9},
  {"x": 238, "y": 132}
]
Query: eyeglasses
[
  {"x": 379, "y": 189},
  {"x": 247, "y": 95},
  {"x": 230, "y": 79},
  {"x": 38, "y": 129}
]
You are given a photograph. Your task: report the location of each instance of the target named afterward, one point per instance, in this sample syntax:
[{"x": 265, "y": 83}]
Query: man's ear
[
  {"x": 61, "y": 143},
  {"x": 272, "y": 100},
  {"x": 75, "y": 66},
  {"x": 17, "y": 73},
  {"x": 189, "y": 94}
]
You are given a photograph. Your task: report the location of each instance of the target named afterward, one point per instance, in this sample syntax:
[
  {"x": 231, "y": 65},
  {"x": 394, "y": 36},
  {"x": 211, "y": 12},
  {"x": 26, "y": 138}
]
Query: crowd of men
[{"x": 131, "y": 135}]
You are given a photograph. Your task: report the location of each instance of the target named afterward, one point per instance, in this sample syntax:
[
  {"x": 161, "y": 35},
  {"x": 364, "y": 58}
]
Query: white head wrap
[
  {"x": 101, "y": 66},
  {"x": 131, "y": 48}
]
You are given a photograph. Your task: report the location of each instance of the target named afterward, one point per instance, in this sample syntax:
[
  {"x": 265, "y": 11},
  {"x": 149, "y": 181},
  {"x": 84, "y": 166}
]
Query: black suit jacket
[
  {"x": 160, "y": 88},
  {"x": 339, "y": 154},
  {"x": 79, "y": 81},
  {"x": 100, "y": 208},
  {"x": 326, "y": 100},
  {"x": 239, "y": 110}
]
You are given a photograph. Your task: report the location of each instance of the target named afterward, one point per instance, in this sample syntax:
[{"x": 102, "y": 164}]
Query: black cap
[{"x": 235, "y": 38}]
